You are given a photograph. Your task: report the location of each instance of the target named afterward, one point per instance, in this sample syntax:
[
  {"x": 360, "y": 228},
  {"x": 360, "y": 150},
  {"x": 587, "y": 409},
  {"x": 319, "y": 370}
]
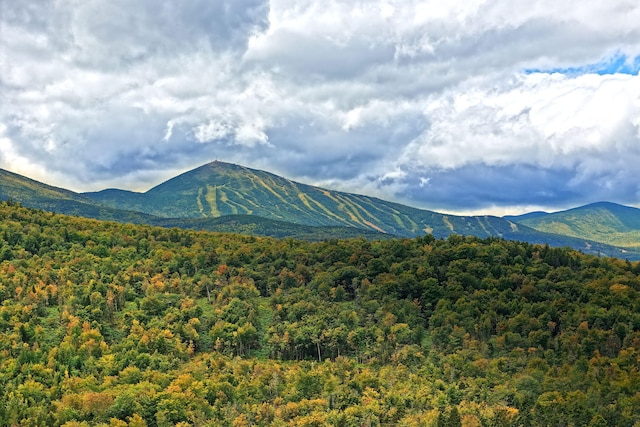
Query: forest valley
[{"x": 125, "y": 325}]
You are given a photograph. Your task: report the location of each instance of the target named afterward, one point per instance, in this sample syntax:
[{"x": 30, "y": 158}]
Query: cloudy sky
[{"x": 497, "y": 106}]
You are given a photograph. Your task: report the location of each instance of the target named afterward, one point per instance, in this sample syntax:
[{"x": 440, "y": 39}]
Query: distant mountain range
[{"x": 231, "y": 198}]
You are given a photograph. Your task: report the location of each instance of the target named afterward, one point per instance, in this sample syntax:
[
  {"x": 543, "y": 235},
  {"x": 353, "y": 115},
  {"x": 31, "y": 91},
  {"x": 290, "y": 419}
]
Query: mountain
[
  {"x": 218, "y": 189},
  {"x": 37, "y": 195},
  {"x": 34, "y": 194},
  {"x": 604, "y": 222},
  {"x": 231, "y": 198}
]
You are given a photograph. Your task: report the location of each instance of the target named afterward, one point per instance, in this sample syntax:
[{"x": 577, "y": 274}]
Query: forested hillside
[{"x": 123, "y": 325}]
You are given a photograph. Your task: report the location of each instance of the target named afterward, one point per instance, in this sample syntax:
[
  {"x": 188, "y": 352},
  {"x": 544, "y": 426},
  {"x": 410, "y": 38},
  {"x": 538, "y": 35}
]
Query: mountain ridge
[
  {"x": 259, "y": 202},
  {"x": 605, "y": 222},
  {"x": 218, "y": 189}
]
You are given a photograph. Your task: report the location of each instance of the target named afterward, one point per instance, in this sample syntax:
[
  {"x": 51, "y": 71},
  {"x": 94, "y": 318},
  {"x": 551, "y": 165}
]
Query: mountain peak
[
  {"x": 219, "y": 188},
  {"x": 218, "y": 164},
  {"x": 213, "y": 171}
]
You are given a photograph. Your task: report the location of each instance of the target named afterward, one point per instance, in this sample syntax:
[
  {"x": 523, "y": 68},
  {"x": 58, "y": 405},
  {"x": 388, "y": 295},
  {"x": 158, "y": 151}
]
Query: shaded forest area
[{"x": 124, "y": 325}]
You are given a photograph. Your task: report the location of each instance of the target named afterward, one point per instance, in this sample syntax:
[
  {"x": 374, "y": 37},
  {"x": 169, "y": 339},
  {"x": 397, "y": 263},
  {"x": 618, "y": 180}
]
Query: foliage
[{"x": 126, "y": 325}]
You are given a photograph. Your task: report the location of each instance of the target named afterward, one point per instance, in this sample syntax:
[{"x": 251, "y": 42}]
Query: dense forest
[{"x": 126, "y": 325}]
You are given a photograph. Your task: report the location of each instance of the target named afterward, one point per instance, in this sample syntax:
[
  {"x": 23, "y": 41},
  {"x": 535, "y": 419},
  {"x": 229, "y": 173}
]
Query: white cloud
[{"x": 538, "y": 119}]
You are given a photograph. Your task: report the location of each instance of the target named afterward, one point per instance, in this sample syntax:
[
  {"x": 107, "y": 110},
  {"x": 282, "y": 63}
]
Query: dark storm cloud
[{"x": 480, "y": 186}]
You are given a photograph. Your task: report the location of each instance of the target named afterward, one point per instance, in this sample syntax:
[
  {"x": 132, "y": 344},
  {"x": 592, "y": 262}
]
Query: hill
[
  {"x": 113, "y": 324},
  {"x": 31, "y": 192},
  {"x": 38, "y": 195},
  {"x": 604, "y": 222}
]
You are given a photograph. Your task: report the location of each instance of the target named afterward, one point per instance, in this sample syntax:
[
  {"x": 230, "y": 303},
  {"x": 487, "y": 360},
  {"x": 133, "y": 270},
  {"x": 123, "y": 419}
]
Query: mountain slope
[
  {"x": 604, "y": 222},
  {"x": 218, "y": 189},
  {"x": 37, "y": 195},
  {"x": 528, "y": 215},
  {"x": 34, "y": 194},
  {"x": 110, "y": 325},
  {"x": 29, "y": 191},
  {"x": 224, "y": 197},
  {"x": 257, "y": 226}
]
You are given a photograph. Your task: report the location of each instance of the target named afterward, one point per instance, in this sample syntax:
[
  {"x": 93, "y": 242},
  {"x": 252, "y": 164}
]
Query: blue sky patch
[{"x": 618, "y": 63}]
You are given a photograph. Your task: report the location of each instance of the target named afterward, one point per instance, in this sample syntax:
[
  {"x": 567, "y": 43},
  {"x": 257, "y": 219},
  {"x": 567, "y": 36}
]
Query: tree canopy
[{"x": 122, "y": 325}]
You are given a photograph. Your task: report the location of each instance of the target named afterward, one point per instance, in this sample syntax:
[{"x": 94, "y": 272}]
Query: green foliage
[{"x": 118, "y": 324}]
